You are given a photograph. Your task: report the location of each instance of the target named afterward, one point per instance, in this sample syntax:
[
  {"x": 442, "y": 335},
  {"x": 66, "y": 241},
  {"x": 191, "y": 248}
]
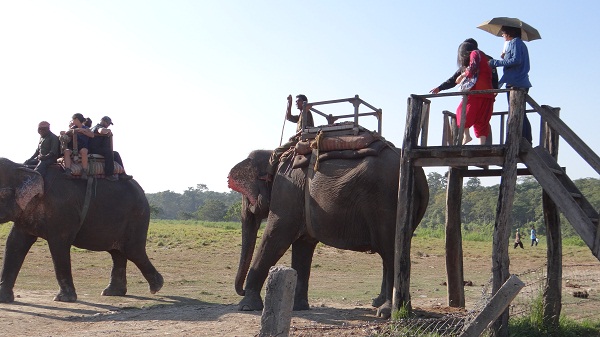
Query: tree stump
[{"x": 279, "y": 301}]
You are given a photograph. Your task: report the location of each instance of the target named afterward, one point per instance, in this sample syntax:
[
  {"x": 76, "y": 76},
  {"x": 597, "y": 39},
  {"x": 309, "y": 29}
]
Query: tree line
[
  {"x": 197, "y": 203},
  {"x": 478, "y": 206}
]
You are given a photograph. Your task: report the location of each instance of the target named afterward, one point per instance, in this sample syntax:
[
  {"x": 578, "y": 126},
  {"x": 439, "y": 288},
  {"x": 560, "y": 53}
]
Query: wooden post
[
  {"x": 454, "y": 251},
  {"x": 425, "y": 123},
  {"x": 497, "y": 305},
  {"x": 356, "y": 103},
  {"x": 502, "y": 226},
  {"x": 279, "y": 301},
  {"x": 552, "y": 289},
  {"x": 404, "y": 215}
]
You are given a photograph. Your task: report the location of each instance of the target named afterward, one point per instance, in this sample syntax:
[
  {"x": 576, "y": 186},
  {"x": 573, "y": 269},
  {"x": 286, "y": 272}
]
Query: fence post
[
  {"x": 279, "y": 301},
  {"x": 495, "y": 308}
]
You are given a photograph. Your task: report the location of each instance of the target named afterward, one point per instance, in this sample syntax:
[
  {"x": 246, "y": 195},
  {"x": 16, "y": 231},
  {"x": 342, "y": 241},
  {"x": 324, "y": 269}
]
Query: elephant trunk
[{"x": 250, "y": 225}]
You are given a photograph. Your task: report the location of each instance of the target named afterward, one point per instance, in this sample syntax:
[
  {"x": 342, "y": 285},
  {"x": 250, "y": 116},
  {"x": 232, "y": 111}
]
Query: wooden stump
[{"x": 279, "y": 301}]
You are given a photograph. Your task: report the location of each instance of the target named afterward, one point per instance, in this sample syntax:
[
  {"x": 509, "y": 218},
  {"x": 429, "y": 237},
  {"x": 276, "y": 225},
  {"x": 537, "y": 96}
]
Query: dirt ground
[
  {"x": 198, "y": 297},
  {"x": 35, "y": 314}
]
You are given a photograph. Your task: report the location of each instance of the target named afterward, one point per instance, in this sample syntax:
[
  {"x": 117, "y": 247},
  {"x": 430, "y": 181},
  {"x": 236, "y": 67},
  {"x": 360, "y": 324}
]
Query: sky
[{"x": 194, "y": 86}]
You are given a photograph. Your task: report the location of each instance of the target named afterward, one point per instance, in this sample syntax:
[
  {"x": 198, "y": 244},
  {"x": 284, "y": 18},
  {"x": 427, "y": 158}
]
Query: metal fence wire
[{"x": 580, "y": 301}]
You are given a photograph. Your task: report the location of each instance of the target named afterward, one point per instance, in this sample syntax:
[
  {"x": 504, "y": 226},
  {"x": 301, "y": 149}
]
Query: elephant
[
  {"x": 352, "y": 205},
  {"x": 114, "y": 219}
]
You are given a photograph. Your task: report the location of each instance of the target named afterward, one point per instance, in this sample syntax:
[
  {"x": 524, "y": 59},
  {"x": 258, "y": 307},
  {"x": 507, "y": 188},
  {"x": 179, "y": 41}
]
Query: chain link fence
[{"x": 580, "y": 301}]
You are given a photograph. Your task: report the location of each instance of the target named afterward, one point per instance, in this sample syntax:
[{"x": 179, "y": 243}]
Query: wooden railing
[
  {"x": 452, "y": 133},
  {"x": 355, "y": 101}
]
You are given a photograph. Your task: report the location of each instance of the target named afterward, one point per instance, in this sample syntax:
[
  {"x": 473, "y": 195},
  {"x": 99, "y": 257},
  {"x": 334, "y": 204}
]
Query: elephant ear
[
  {"x": 243, "y": 178},
  {"x": 30, "y": 183}
]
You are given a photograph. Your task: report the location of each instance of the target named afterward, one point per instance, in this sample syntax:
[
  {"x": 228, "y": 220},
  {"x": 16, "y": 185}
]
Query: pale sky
[{"x": 194, "y": 86}]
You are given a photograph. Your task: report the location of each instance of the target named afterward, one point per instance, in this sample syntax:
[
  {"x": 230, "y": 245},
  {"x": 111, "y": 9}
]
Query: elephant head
[
  {"x": 243, "y": 178},
  {"x": 18, "y": 186}
]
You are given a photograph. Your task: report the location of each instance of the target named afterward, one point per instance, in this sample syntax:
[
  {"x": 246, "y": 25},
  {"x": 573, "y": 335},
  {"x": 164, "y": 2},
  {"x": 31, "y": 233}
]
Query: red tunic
[{"x": 479, "y": 107}]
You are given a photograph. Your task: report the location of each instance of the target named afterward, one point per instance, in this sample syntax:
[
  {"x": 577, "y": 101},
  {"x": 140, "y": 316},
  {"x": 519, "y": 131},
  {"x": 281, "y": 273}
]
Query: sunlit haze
[{"x": 193, "y": 86}]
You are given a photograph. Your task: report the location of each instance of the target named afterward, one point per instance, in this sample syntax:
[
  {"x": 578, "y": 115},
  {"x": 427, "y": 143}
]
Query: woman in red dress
[{"x": 476, "y": 75}]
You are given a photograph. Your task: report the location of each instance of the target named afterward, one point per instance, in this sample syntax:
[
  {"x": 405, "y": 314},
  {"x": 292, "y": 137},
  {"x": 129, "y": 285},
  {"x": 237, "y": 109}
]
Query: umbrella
[{"x": 494, "y": 25}]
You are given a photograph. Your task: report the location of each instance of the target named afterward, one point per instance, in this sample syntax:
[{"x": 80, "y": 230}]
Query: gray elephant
[
  {"x": 351, "y": 205},
  {"x": 54, "y": 208}
]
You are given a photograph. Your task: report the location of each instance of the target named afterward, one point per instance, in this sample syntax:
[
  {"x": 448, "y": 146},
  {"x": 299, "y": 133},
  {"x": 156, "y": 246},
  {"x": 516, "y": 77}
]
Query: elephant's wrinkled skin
[
  {"x": 117, "y": 221},
  {"x": 352, "y": 206}
]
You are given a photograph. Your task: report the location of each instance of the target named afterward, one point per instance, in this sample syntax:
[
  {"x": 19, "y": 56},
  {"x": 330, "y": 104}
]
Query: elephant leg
[
  {"x": 61, "y": 257},
  {"x": 118, "y": 275},
  {"x": 154, "y": 278},
  {"x": 302, "y": 255},
  {"x": 385, "y": 309},
  {"x": 272, "y": 247},
  {"x": 380, "y": 299},
  {"x": 18, "y": 244}
]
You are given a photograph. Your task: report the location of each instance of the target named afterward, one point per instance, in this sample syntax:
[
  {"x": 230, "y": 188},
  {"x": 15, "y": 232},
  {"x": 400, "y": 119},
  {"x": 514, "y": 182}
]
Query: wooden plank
[
  {"x": 454, "y": 251},
  {"x": 502, "y": 225},
  {"x": 576, "y": 143},
  {"x": 497, "y": 305},
  {"x": 493, "y": 172},
  {"x": 458, "y": 161},
  {"x": 424, "y": 124},
  {"x": 404, "y": 218},
  {"x": 458, "y": 93},
  {"x": 560, "y": 195},
  {"x": 458, "y": 151},
  {"x": 585, "y": 205},
  {"x": 552, "y": 295}
]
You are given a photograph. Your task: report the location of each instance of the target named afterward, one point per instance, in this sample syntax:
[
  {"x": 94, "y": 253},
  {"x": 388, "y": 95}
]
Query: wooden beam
[
  {"x": 576, "y": 143},
  {"x": 502, "y": 225},
  {"x": 497, "y": 305},
  {"x": 404, "y": 215},
  {"x": 454, "y": 250}
]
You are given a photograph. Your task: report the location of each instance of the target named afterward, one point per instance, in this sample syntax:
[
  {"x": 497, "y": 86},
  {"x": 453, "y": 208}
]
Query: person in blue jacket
[{"x": 515, "y": 63}]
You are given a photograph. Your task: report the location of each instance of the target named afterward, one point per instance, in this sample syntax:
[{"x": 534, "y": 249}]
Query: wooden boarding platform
[{"x": 559, "y": 191}]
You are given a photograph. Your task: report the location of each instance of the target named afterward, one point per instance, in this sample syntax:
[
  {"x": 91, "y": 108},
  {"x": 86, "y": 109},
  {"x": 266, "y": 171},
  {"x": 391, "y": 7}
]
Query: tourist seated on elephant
[
  {"x": 102, "y": 144},
  {"x": 47, "y": 151},
  {"x": 274, "y": 159},
  {"x": 83, "y": 135}
]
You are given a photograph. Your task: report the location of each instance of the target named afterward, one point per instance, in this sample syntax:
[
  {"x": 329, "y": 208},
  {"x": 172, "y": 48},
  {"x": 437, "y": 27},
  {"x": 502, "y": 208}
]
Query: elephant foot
[
  {"x": 66, "y": 296},
  {"x": 7, "y": 296},
  {"x": 113, "y": 290},
  {"x": 378, "y": 301},
  {"x": 156, "y": 284},
  {"x": 385, "y": 310},
  {"x": 301, "y": 305},
  {"x": 251, "y": 302}
]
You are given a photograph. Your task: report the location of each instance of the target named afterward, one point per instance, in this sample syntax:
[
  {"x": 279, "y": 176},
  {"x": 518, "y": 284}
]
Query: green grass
[
  {"x": 199, "y": 260},
  {"x": 525, "y": 326}
]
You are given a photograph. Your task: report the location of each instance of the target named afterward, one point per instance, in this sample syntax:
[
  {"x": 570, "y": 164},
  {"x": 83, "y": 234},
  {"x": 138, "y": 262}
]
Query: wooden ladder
[{"x": 561, "y": 189}]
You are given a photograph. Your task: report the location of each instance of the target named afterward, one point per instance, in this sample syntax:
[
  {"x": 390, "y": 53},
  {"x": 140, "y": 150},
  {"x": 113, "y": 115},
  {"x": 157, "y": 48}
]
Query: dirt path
[{"x": 35, "y": 314}]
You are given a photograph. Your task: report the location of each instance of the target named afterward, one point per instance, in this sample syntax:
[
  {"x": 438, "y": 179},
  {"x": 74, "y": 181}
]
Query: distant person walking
[
  {"x": 534, "y": 239},
  {"x": 518, "y": 240}
]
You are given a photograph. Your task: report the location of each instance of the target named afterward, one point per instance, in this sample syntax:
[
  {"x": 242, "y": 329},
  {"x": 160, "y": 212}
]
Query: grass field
[{"x": 199, "y": 260}]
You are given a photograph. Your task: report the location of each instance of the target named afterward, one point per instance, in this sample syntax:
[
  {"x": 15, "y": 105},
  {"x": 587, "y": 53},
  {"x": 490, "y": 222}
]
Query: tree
[
  {"x": 472, "y": 184},
  {"x": 212, "y": 210},
  {"x": 436, "y": 182},
  {"x": 234, "y": 213}
]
